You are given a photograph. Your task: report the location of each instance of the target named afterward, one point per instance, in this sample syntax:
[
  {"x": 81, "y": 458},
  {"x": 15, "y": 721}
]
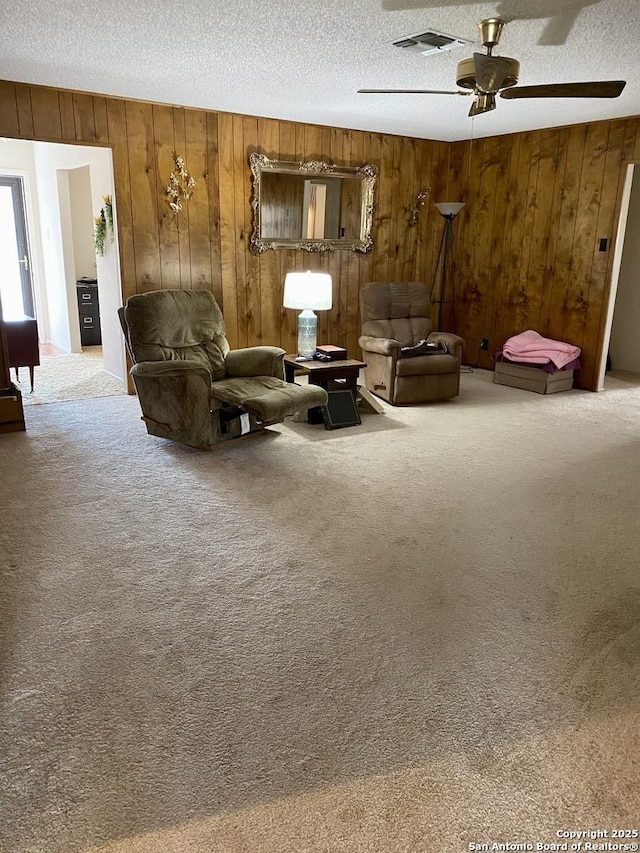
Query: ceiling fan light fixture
[
  {"x": 483, "y": 102},
  {"x": 466, "y": 73},
  {"x": 490, "y": 32}
]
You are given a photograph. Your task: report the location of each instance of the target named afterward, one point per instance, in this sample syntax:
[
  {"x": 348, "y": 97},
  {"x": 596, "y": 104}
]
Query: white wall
[
  {"x": 81, "y": 222},
  {"x": 65, "y": 324},
  {"x": 624, "y": 347}
]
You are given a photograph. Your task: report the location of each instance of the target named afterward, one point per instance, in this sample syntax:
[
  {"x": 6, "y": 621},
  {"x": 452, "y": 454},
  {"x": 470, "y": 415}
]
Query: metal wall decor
[
  {"x": 312, "y": 206},
  {"x": 181, "y": 185},
  {"x": 419, "y": 203}
]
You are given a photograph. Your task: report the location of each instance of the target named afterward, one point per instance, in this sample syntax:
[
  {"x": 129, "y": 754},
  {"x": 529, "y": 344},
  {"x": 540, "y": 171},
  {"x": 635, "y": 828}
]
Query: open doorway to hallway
[
  {"x": 622, "y": 341},
  {"x": 63, "y": 316}
]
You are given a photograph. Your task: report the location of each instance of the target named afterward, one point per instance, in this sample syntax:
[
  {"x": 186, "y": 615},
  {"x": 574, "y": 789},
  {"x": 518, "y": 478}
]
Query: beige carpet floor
[
  {"x": 68, "y": 376},
  {"x": 414, "y": 635}
]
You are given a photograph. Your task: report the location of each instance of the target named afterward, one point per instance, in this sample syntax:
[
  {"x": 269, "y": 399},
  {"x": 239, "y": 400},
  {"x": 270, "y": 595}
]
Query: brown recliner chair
[
  {"x": 394, "y": 316},
  {"x": 192, "y": 387}
]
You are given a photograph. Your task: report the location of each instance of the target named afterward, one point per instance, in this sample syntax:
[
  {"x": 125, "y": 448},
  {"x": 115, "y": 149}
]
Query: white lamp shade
[
  {"x": 308, "y": 290},
  {"x": 450, "y": 208}
]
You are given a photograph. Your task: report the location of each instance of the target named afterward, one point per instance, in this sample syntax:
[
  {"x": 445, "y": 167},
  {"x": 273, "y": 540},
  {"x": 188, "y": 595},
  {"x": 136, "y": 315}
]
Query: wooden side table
[
  {"x": 323, "y": 373},
  {"x": 22, "y": 342}
]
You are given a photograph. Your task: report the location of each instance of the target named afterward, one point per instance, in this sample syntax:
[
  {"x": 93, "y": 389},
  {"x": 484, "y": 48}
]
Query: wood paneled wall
[
  {"x": 206, "y": 246},
  {"x": 527, "y": 242}
]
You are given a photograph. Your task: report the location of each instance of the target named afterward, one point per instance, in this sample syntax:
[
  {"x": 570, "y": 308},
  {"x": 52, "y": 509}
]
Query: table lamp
[{"x": 309, "y": 292}]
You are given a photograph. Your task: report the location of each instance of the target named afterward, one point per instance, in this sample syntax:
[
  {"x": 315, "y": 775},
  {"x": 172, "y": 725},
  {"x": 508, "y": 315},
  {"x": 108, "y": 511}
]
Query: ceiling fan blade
[
  {"x": 604, "y": 89},
  {"x": 483, "y": 103},
  {"x": 409, "y": 92},
  {"x": 491, "y": 72}
]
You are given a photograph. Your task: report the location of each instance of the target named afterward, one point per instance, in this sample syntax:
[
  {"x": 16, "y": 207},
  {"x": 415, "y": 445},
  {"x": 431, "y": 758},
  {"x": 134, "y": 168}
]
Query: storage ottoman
[{"x": 532, "y": 378}]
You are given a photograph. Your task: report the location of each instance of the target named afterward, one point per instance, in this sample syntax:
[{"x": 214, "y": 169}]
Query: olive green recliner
[{"x": 192, "y": 388}]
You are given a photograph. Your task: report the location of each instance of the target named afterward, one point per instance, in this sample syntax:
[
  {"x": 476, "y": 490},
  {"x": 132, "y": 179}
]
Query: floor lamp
[{"x": 448, "y": 210}]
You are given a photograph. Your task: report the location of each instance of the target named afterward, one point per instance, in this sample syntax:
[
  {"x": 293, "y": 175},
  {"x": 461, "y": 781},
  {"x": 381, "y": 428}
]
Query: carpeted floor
[
  {"x": 414, "y": 635},
  {"x": 68, "y": 376}
]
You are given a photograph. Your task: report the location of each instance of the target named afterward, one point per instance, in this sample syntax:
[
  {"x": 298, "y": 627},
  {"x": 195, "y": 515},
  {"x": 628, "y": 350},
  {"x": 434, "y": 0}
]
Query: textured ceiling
[{"x": 304, "y": 59}]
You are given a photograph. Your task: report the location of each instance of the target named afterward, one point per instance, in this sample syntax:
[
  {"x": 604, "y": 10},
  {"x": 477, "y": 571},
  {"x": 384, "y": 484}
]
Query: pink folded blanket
[{"x": 531, "y": 347}]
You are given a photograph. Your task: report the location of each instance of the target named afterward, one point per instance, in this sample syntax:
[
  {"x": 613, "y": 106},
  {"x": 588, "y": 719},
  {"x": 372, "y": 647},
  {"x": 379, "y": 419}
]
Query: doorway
[
  {"x": 16, "y": 287},
  {"x": 59, "y": 189},
  {"x": 621, "y": 350}
]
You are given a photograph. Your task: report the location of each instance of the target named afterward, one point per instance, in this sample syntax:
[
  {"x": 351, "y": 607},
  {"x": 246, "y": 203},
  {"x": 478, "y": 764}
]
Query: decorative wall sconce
[
  {"x": 418, "y": 205},
  {"x": 181, "y": 185}
]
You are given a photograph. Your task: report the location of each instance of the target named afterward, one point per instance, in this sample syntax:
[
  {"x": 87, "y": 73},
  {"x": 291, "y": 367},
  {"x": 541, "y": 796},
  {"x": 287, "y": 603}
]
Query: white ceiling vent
[{"x": 430, "y": 42}]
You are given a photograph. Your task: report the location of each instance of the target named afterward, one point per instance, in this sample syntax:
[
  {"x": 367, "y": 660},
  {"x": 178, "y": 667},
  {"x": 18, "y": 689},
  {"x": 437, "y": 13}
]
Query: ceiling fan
[{"x": 485, "y": 76}]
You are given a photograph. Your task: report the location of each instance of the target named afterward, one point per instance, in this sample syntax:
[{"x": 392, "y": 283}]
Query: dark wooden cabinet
[
  {"x": 89, "y": 312},
  {"x": 11, "y": 411},
  {"x": 22, "y": 343}
]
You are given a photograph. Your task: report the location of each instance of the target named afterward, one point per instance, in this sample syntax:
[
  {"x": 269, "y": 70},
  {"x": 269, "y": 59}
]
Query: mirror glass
[{"x": 312, "y": 206}]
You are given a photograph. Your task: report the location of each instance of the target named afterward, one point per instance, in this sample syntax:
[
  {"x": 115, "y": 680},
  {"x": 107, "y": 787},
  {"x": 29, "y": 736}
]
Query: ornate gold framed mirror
[{"x": 313, "y": 206}]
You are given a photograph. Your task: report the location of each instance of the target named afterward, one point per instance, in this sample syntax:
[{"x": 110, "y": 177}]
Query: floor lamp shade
[
  {"x": 449, "y": 208},
  {"x": 308, "y": 292}
]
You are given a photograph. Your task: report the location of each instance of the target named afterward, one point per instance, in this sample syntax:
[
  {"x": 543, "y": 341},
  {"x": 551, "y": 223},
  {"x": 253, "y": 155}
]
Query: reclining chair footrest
[{"x": 268, "y": 399}]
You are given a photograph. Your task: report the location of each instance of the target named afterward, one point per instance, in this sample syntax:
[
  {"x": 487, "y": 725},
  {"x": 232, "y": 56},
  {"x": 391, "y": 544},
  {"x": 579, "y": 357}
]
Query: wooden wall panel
[
  {"x": 9, "y": 109},
  {"x": 117, "y": 132},
  {"x": 273, "y": 136},
  {"x": 353, "y": 152},
  {"x": 569, "y": 186},
  {"x": 25, "y": 110},
  {"x": 145, "y": 190},
  {"x": 496, "y": 278},
  {"x": 339, "y": 154},
  {"x": 227, "y": 227},
  {"x": 585, "y": 233},
  {"x": 542, "y": 201},
  {"x": 552, "y": 309},
  {"x": 67, "y": 117},
  {"x": 182, "y": 220},
  {"x": 169, "y": 224},
  {"x": 84, "y": 116},
  {"x": 101, "y": 120},
  {"x": 254, "y": 307},
  {"x": 555, "y": 195},
  {"x": 212, "y": 183},
  {"x": 537, "y": 204},
  {"x": 239, "y": 174},
  {"x": 372, "y": 154},
  {"x": 198, "y": 251},
  {"x": 47, "y": 120}
]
